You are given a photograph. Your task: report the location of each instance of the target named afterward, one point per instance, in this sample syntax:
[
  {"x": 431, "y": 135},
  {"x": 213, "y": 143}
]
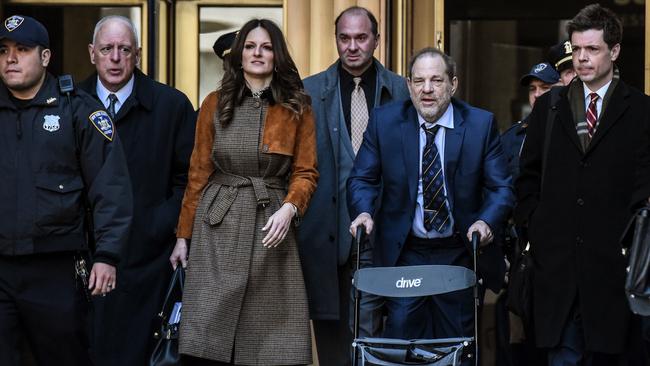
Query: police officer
[
  {"x": 539, "y": 80},
  {"x": 59, "y": 153},
  {"x": 222, "y": 46},
  {"x": 561, "y": 57},
  {"x": 520, "y": 349}
]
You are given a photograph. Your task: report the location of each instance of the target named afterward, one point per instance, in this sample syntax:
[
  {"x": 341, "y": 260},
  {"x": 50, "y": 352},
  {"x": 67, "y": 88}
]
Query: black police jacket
[{"x": 58, "y": 154}]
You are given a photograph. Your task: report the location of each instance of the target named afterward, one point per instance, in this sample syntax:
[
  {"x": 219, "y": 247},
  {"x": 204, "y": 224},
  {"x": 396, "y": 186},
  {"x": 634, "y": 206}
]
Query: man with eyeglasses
[{"x": 156, "y": 123}]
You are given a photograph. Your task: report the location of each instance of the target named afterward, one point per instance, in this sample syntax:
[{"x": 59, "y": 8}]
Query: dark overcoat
[
  {"x": 323, "y": 234},
  {"x": 577, "y": 212},
  {"x": 156, "y": 125}
]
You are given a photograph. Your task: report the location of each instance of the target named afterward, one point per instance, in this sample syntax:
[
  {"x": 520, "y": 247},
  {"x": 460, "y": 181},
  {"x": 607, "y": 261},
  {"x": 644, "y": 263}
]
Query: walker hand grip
[{"x": 476, "y": 239}]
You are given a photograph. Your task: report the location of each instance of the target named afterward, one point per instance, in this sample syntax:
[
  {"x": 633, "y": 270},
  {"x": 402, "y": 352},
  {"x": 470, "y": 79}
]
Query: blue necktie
[
  {"x": 112, "y": 98},
  {"x": 436, "y": 212}
]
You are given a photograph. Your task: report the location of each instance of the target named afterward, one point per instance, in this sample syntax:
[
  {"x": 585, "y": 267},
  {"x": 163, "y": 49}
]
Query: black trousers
[
  {"x": 333, "y": 337},
  {"x": 41, "y": 303}
]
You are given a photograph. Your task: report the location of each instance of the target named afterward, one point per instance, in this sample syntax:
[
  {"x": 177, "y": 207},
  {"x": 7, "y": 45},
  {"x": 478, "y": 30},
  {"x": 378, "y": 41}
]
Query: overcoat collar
[
  {"x": 332, "y": 81},
  {"x": 615, "y": 109},
  {"x": 143, "y": 91},
  {"x": 331, "y": 99}
]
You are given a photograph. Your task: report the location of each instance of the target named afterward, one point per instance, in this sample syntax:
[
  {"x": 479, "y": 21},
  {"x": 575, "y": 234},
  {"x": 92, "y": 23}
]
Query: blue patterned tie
[
  {"x": 112, "y": 98},
  {"x": 436, "y": 212}
]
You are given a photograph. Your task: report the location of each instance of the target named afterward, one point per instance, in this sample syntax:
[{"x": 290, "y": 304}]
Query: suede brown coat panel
[{"x": 283, "y": 134}]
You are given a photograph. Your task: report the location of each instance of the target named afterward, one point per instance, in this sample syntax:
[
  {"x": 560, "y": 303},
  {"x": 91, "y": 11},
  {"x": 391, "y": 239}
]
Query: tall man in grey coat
[
  {"x": 325, "y": 243},
  {"x": 156, "y": 124}
]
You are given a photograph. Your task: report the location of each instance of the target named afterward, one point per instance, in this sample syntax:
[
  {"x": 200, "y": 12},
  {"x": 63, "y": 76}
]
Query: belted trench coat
[{"x": 243, "y": 300}]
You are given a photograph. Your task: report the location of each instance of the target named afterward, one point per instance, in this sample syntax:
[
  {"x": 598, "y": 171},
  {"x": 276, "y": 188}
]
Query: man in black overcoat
[
  {"x": 575, "y": 196},
  {"x": 156, "y": 123}
]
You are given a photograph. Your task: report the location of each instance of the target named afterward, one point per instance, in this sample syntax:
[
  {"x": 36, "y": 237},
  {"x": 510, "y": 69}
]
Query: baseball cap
[
  {"x": 560, "y": 56},
  {"x": 25, "y": 30},
  {"x": 224, "y": 43},
  {"x": 542, "y": 71}
]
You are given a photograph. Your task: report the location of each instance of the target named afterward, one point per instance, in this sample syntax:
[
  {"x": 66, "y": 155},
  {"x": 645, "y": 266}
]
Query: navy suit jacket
[{"x": 478, "y": 184}]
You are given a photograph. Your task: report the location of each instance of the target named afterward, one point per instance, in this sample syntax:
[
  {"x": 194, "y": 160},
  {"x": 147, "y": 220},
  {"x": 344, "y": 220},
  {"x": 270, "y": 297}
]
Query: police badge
[
  {"x": 540, "y": 67},
  {"x": 102, "y": 123},
  {"x": 51, "y": 123},
  {"x": 13, "y": 22}
]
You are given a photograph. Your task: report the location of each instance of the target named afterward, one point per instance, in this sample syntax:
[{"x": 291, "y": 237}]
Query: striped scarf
[{"x": 576, "y": 95}]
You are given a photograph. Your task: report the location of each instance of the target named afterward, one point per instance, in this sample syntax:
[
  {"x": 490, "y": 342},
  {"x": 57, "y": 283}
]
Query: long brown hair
[{"x": 286, "y": 86}]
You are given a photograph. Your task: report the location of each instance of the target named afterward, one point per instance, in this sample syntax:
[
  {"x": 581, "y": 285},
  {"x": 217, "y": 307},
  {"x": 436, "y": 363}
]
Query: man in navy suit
[{"x": 438, "y": 166}]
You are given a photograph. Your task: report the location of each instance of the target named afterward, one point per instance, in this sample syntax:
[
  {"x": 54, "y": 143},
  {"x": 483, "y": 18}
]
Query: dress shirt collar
[
  {"x": 601, "y": 92},
  {"x": 446, "y": 120},
  {"x": 122, "y": 94},
  {"x": 367, "y": 75}
]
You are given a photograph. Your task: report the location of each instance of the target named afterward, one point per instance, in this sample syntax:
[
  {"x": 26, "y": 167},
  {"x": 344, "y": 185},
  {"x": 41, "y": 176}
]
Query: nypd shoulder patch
[{"x": 102, "y": 123}]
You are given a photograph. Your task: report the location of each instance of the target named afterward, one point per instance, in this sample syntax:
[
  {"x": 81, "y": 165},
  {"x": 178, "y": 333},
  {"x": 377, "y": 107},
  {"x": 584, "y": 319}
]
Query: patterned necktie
[
  {"x": 112, "y": 100},
  {"x": 358, "y": 115},
  {"x": 592, "y": 115},
  {"x": 436, "y": 212}
]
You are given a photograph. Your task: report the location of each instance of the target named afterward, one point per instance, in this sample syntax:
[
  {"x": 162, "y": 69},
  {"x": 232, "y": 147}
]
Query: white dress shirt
[
  {"x": 601, "y": 96},
  {"x": 446, "y": 121},
  {"x": 122, "y": 94}
]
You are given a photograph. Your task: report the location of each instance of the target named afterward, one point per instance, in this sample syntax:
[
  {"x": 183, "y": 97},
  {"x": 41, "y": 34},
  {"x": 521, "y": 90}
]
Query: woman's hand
[
  {"x": 278, "y": 225},
  {"x": 180, "y": 253}
]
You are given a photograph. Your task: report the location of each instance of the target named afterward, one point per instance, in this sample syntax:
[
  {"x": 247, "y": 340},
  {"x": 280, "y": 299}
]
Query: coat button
[
  {"x": 265, "y": 148},
  {"x": 331, "y": 237},
  {"x": 60, "y": 186},
  {"x": 580, "y": 202},
  {"x": 579, "y": 240},
  {"x": 335, "y": 129},
  {"x": 257, "y": 104}
]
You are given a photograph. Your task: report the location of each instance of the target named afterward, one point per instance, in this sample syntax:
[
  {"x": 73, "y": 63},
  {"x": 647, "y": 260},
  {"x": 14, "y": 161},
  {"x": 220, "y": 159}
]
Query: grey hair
[{"x": 126, "y": 21}]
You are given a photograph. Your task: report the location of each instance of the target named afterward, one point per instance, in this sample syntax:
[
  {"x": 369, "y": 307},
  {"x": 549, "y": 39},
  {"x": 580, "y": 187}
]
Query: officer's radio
[{"x": 66, "y": 84}]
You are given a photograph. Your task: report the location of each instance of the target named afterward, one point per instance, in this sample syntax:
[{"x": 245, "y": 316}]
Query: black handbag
[
  {"x": 637, "y": 286},
  {"x": 165, "y": 352},
  {"x": 520, "y": 287}
]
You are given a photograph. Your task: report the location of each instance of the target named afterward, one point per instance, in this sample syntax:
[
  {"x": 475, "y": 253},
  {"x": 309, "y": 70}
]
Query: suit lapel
[
  {"x": 613, "y": 111},
  {"x": 331, "y": 99},
  {"x": 453, "y": 142},
  {"x": 411, "y": 149}
]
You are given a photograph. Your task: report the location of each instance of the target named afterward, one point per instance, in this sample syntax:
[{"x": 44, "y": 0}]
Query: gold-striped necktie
[{"x": 358, "y": 115}]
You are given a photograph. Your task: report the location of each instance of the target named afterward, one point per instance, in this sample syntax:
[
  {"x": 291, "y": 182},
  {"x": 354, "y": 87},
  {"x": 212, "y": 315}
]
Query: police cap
[
  {"x": 542, "y": 71},
  {"x": 560, "y": 56},
  {"x": 224, "y": 43},
  {"x": 25, "y": 30}
]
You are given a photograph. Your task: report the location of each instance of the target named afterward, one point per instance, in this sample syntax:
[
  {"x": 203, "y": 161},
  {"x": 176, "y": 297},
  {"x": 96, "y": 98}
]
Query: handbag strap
[
  {"x": 178, "y": 279},
  {"x": 628, "y": 233}
]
